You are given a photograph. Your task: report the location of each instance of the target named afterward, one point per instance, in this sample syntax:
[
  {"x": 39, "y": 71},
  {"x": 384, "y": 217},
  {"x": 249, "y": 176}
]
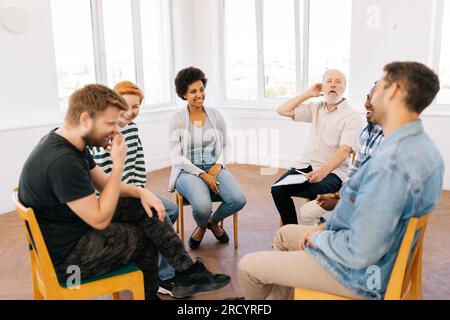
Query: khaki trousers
[
  {"x": 273, "y": 275},
  {"x": 310, "y": 212}
]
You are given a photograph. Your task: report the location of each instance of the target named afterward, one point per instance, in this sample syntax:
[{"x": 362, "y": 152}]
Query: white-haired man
[{"x": 334, "y": 133}]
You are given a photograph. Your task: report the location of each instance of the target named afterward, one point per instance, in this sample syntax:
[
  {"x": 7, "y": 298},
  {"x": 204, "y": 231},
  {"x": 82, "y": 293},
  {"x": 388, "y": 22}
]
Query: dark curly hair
[{"x": 186, "y": 77}]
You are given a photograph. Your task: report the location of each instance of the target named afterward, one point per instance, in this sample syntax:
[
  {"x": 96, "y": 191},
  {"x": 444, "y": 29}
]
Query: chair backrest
[
  {"x": 405, "y": 280},
  {"x": 41, "y": 264}
]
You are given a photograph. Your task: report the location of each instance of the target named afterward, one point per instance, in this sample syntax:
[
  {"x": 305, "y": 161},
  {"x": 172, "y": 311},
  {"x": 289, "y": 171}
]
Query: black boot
[{"x": 197, "y": 279}]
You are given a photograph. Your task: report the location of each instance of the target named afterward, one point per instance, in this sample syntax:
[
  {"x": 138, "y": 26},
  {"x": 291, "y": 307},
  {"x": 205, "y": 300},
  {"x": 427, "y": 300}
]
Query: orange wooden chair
[
  {"x": 45, "y": 281},
  {"x": 181, "y": 202},
  {"x": 405, "y": 282}
]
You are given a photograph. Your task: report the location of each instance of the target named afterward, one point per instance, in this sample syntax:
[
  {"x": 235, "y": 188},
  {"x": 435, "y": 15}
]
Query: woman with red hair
[{"x": 135, "y": 170}]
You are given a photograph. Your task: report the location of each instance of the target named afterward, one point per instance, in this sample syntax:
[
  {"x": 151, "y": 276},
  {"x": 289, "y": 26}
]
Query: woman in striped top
[{"x": 134, "y": 171}]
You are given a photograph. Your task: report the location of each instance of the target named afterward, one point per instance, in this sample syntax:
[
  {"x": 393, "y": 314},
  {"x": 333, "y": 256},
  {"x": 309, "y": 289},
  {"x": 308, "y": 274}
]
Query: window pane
[
  {"x": 240, "y": 50},
  {"x": 279, "y": 48},
  {"x": 444, "y": 66},
  {"x": 118, "y": 41},
  {"x": 155, "y": 48},
  {"x": 329, "y": 37},
  {"x": 74, "y": 52}
]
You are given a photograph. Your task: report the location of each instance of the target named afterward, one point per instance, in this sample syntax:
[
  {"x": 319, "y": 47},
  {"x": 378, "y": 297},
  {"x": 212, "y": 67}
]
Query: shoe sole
[
  {"x": 181, "y": 292},
  {"x": 164, "y": 291}
]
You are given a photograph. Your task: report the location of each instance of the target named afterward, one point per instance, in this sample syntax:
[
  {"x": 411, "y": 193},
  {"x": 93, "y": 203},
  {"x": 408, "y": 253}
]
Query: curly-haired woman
[{"x": 198, "y": 150}]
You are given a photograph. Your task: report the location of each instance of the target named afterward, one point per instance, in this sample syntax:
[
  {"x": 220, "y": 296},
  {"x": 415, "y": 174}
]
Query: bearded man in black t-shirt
[{"x": 124, "y": 225}]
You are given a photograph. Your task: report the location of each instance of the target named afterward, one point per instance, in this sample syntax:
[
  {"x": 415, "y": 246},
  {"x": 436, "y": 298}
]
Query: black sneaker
[
  {"x": 197, "y": 279},
  {"x": 166, "y": 286}
]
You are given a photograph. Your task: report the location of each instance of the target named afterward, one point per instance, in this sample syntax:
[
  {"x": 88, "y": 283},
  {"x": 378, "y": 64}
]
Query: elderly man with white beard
[{"x": 335, "y": 127}]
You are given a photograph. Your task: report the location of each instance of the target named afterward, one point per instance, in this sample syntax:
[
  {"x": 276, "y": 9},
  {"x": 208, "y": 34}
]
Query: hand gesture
[
  {"x": 211, "y": 182},
  {"x": 306, "y": 239},
  {"x": 149, "y": 201},
  {"x": 316, "y": 176},
  {"x": 118, "y": 150},
  {"x": 316, "y": 90},
  {"x": 327, "y": 201},
  {"x": 215, "y": 170}
]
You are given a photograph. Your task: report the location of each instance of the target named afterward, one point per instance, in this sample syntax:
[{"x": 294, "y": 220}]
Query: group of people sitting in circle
[{"x": 87, "y": 184}]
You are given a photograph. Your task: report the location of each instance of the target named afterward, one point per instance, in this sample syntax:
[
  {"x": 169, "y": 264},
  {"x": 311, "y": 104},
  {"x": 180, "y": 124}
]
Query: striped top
[{"x": 134, "y": 171}]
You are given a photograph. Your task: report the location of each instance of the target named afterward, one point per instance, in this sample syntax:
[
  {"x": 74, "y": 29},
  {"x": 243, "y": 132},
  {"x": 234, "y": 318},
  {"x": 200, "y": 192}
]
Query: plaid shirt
[{"x": 370, "y": 138}]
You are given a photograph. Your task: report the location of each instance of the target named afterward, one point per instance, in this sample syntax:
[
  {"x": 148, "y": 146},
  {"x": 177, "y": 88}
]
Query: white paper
[{"x": 292, "y": 179}]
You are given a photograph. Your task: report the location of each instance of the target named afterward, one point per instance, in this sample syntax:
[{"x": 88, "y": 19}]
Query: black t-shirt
[{"x": 55, "y": 173}]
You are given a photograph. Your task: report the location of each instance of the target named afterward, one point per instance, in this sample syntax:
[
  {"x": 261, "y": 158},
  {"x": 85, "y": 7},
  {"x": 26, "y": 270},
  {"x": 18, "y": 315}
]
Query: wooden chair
[
  {"x": 181, "y": 202},
  {"x": 45, "y": 281},
  {"x": 405, "y": 282}
]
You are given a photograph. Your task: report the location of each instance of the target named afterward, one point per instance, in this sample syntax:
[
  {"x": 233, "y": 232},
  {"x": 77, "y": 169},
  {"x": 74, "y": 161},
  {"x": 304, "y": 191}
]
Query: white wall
[
  {"x": 29, "y": 95},
  {"x": 28, "y": 89}
]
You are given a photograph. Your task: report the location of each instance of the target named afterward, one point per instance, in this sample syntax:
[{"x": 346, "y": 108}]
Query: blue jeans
[
  {"x": 165, "y": 270},
  {"x": 197, "y": 192}
]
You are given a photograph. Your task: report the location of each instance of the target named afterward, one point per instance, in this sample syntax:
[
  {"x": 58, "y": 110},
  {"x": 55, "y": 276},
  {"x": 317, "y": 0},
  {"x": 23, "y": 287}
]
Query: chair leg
[
  {"x": 36, "y": 293},
  {"x": 181, "y": 215},
  {"x": 178, "y": 226},
  {"x": 235, "y": 227},
  {"x": 116, "y": 296}
]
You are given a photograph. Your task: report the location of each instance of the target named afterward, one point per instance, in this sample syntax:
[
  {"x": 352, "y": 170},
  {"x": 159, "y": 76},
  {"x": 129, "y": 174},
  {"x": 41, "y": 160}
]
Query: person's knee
[
  {"x": 309, "y": 213},
  {"x": 244, "y": 266},
  {"x": 172, "y": 211},
  {"x": 278, "y": 192},
  {"x": 280, "y": 236},
  {"x": 238, "y": 201}
]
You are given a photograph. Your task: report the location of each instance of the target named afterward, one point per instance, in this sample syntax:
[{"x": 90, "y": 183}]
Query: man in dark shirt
[{"x": 121, "y": 226}]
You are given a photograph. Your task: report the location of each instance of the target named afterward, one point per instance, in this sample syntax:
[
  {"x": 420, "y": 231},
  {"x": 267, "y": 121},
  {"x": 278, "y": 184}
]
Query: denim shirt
[{"x": 403, "y": 179}]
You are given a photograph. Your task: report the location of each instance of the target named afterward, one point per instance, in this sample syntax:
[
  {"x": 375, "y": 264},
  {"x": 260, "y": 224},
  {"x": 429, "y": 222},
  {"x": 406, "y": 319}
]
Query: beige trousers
[
  {"x": 310, "y": 212},
  {"x": 272, "y": 275}
]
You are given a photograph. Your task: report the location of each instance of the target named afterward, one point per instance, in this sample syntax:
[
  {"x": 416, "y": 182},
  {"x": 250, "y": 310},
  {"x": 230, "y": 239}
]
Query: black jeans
[
  {"x": 282, "y": 194},
  {"x": 132, "y": 237}
]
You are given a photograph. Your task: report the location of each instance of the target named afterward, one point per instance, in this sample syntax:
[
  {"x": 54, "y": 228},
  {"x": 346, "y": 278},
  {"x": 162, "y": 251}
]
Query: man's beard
[
  {"x": 92, "y": 140},
  {"x": 333, "y": 100}
]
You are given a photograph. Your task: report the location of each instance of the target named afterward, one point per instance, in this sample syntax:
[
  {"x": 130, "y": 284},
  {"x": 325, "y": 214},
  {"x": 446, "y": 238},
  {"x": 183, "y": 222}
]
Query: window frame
[
  {"x": 302, "y": 35},
  {"x": 435, "y": 48},
  {"x": 99, "y": 49}
]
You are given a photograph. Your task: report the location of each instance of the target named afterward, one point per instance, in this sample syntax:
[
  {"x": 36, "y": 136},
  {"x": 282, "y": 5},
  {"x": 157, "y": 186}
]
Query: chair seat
[{"x": 117, "y": 272}]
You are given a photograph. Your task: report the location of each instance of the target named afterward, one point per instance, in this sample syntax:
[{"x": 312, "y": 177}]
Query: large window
[
  {"x": 119, "y": 42},
  {"x": 110, "y": 41},
  {"x": 276, "y": 48},
  {"x": 240, "y": 49},
  {"x": 329, "y": 37},
  {"x": 280, "y": 68},
  {"x": 444, "y": 60},
  {"x": 74, "y": 51},
  {"x": 155, "y": 29}
]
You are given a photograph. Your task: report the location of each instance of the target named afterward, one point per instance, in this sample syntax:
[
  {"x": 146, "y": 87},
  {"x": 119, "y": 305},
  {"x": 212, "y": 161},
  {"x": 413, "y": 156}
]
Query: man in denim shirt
[{"x": 402, "y": 179}]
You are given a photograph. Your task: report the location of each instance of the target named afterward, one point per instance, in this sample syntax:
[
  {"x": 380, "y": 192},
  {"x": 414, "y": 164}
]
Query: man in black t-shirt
[{"x": 124, "y": 224}]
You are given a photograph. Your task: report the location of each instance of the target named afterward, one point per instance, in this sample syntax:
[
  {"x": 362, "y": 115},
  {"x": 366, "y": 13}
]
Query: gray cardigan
[{"x": 179, "y": 135}]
